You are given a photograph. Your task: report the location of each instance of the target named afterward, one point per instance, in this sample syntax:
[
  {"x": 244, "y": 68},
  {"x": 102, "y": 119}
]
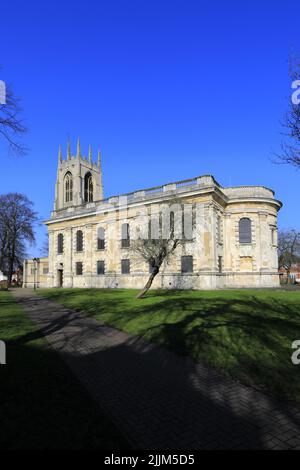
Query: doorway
[{"x": 60, "y": 277}]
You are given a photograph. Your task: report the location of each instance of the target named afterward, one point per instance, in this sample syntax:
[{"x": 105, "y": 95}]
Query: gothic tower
[{"x": 79, "y": 179}]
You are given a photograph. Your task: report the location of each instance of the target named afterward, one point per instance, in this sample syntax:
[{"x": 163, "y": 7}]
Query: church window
[
  {"x": 186, "y": 264},
  {"x": 125, "y": 266},
  {"x": 60, "y": 243},
  {"x": 151, "y": 265},
  {"x": 79, "y": 240},
  {"x": 220, "y": 264},
  {"x": 68, "y": 187},
  {"x": 273, "y": 236},
  {"x": 100, "y": 267},
  {"x": 125, "y": 236},
  {"x": 79, "y": 268},
  {"x": 101, "y": 239},
  {"x": 245, "y": 235},
  {"x": 88, "y": 188},
  {"x": 172, "y": 224}
]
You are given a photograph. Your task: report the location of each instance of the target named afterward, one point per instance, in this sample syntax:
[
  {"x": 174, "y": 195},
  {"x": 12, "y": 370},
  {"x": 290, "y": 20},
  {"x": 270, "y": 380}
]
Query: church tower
[{"x": 79, "y": 179}]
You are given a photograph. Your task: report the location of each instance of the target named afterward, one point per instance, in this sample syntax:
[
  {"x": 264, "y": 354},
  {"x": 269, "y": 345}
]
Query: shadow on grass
[{"x": 248, "y": 336}]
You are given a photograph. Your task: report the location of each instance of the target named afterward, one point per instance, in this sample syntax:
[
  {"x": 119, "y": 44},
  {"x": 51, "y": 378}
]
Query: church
[{"x": 232, "y": 239}]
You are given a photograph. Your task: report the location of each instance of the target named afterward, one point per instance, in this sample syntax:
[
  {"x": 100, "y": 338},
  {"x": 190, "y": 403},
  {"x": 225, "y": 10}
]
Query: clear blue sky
[{"x": 167, "y": 89}]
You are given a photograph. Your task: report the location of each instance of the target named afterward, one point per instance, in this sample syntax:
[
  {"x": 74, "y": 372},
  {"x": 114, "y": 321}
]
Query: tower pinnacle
[
  {"x": 78, "y": 155},
  {"x": 69, "y": 150},
  {"x": 59, "y": 154},
  {"x": 100, "y": 171}
]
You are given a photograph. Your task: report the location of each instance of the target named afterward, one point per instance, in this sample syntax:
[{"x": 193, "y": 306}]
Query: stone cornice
[{"x": 160, "y": 194}]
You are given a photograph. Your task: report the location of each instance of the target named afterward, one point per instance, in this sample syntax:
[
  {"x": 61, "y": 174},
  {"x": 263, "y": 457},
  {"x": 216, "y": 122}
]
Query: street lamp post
[{"x": 35, "y": 260}]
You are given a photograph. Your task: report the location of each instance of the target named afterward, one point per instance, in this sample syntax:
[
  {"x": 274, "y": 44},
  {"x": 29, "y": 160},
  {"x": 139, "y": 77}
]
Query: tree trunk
[
  {"x": 148, "y": 283},
  {"x": 10, "y": 272}
]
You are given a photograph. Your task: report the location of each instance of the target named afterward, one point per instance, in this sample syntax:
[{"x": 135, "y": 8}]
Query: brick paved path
[{"x": 157, "y": 399}]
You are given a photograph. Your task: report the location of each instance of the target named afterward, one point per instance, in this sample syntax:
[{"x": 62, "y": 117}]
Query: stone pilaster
[
  {"x": 209, "y": 262},
  {"x": 68, "y": 257},
  {"x": 88, "y": 254},
  {"x": 228, "y": 240},
  {"x": 264, "y": 246},
  {"x": 51, "y": 260}
]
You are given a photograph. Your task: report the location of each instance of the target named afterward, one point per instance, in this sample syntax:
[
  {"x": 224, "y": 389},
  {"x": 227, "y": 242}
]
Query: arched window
[
  {"x": 245, "y": 235},
  {"x": 60, "y": 243},
  {"x": 68, "y": 187},
  {"x": 88, "y": 188},
  {"x": 101, "y": 239},
  {"x": 79, "y": 240}
]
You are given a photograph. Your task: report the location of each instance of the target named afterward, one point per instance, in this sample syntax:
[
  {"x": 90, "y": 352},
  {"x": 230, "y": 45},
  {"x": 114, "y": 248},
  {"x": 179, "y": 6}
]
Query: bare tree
[
  {"x": 44, "y": 252},
  {"x": 159, "y": 249},
  {"x": 288, "y": 249},
  {"x": 17, "y": 220},
  {"x": 290, "y": 147},
  {"x": 155, "y": 252},
  {"x": 11, "y": 124}
]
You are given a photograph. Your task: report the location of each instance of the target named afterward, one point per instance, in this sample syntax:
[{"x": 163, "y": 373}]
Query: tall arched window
[
  {"x": 68, "y": 187},
  {"x": 60, "y": 243},
  {"x": 88, "y": 188},
  {"x": 79, "y": 240},
  {"x": 245, "y": 235}
]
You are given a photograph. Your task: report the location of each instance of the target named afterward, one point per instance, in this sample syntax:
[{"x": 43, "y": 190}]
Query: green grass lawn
[
  {"x": 42, "y": 405},
  {"x": 246, "y": 333}
]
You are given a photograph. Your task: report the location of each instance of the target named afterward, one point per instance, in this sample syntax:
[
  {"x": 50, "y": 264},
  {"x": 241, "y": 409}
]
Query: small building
[
  {"x": 2, "y": 277},
  {"x": 35, "y": 272},
  {"x": 294, "y": 273}
]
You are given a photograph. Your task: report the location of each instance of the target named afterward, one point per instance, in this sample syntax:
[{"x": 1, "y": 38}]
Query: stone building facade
[{"x": 233, "y": 242}]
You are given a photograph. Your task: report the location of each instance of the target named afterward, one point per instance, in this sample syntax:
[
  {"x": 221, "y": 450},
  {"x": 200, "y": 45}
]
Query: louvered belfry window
[
  {"x": 88, "y": 188},
  {"x": 68, "y": 187}
]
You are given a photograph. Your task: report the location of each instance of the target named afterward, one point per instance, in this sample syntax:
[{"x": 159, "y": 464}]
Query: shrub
[{"x": 3, "y": 285}]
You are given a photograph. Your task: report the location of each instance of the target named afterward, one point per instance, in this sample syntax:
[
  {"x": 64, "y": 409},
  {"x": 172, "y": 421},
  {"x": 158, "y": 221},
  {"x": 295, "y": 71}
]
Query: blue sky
[{"x": 167, "y": 90}]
